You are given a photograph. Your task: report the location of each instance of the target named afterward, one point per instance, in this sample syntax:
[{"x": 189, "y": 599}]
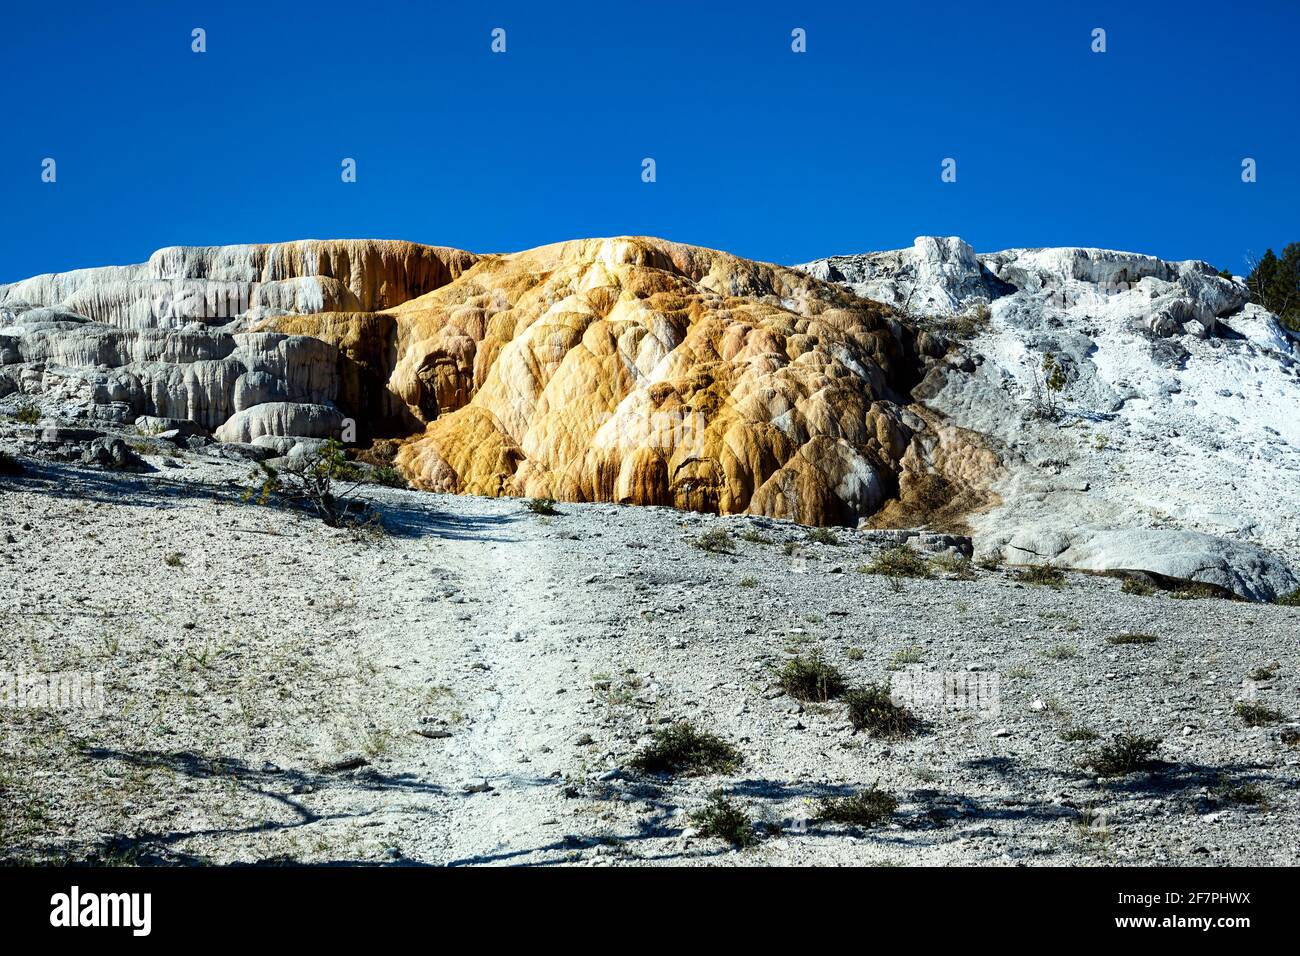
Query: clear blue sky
[{"x": 760, "y": 151}]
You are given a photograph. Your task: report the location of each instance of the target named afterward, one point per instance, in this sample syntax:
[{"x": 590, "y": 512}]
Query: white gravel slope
[{"x": 547, "y": 649}]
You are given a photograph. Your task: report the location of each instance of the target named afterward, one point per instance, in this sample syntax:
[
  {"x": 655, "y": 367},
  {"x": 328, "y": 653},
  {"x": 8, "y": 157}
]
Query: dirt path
[{"x": 494, "y": 641}]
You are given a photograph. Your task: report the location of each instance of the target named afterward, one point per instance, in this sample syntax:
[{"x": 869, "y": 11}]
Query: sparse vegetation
[
  {"x": 27, "y": 412},
  {"x": 855, "y": 654},
  {"x": 174, "y": 560},
  {"x": 989, "y": 562},
  {"x": 1249, "y": 794},
  {"x": 385, "y": 475},
  {"x": 725, "y": 821},
  {"x": 1124, "y": 754},
  {"x": 682, "y": 750},
  {"x": 748, "y": 581},
  {"x": 811, "y": 678},
  {"x": 912, "y": 654},
  {"x": 1045, "y": 390},
  {"x": 964, "y": 325},
  {"x": 1253, "y": 714},
  {"x": 1092, "y": 824},
  {"x": 872, "y": 709},
  {"x": 1290, "y": 600},
  {"x": 1061, "y": 652},
  {"x": 716, "y": 541},
  {"x": 311, "y": 482},
  {"x": 899, "y": 561},
  {"x": 823, "y": 536},
  {"x": 1195, "y": 591},
  {"x": 957, "y": 565},
  {"x": 867, "y": 808},
  {"x": 1127, "y": 638},
  {"x": 1138, "y": 586},
  {"x": 542, "y": 506},
  {"x": 1043, "y": 575},
  {"x": 1265, "y": 671},
  {"x": 1079, "y": 734},
  {"x": 754, "y": 537}
]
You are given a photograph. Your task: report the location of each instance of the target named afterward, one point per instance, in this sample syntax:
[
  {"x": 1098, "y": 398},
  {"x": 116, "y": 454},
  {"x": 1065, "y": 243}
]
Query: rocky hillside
[
  {"x": 895, "y": 389},
  {"x": 1173, "y": 444},
  {"x": 629, "y": 370}
]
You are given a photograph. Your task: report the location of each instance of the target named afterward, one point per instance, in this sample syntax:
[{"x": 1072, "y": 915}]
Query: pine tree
[{"x": 1275, "y": 284}]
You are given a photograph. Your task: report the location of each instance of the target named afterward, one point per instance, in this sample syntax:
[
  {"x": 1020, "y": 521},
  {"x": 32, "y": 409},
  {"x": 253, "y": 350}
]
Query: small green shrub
[
  {"x": 312, "y": 482},
  {"x": 1124, "y": 754},
  {"x": 958, "y": 565},
  {"x": 174, "y": 560},
  {"x": 386, "y": 475},
  {"x": 725, "y": 821},
  {"x": 823, "y": 536},
  {"x": 1195, "y": 591},
  {"x": 1247, "y": 793},
  {"x": 748, "y": 581},
  {"x": 1290, "y": 600},
  {"x": 1127, "y": 638},
  {"x": 754, "y": 537},
  {"x": 912, "y": 654},
  {"x": 811, "y": 678},
  {"x": 1043, "y": 575},
  {"x": 1138, "y": 587},
  {"x": 1265, "y": 671},
  {"x": 873, "y": 710},
  {"x": 1257, "y": 715},
  {"x": 27, "y": 412},
  {"x": 542, "y": 506},
  {"x": 899, "y": 561},
  {"x": 716, "y": 540},
  {"x": 681, "y": 750},
  {"x": 964, "y": 325},
  {"x": 1079, "y": 734},
  {"x": 867, "y": 808},
  {"x": 1061, "y": 652}
]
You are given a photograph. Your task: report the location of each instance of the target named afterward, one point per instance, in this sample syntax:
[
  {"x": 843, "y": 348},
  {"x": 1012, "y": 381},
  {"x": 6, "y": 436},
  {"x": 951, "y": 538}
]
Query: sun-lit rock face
[
  {"x": 646, "y": 372},
  {"x": 630, "y": 369},
  {"x": 211, "y": 285}
]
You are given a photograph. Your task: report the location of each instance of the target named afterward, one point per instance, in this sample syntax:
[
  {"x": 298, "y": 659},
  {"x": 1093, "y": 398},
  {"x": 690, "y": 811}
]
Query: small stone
[{"x": 351, "y": 761}]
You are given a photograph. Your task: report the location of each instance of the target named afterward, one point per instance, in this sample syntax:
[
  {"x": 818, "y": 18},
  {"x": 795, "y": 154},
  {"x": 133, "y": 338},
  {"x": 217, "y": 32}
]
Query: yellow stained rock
[{"x": 648, "y": 372}]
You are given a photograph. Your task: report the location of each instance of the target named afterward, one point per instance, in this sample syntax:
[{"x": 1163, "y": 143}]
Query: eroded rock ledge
[{"x": 632, "y": 369}]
